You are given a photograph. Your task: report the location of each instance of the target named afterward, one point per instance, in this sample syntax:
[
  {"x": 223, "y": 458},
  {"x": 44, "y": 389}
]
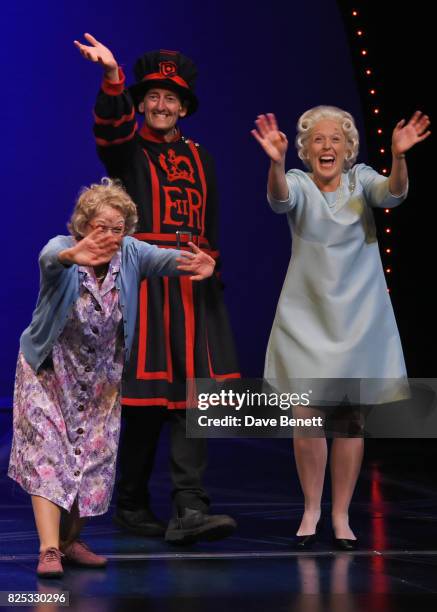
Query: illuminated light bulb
[
  {"x": 359, "y": 33},
  {"x": 376, "y": 111},
  {"x": 384, "y": 170},
  {"x": 354, "y": 13},
  {"x": 379, "y": 131},
  {"x": 388, "y": 251},
  {"x": 388, "y": 230},
  {"x": 363, "y": 51},
  {"x": 388, "y": 270},
  {"x": 373, "y": 92},
  {"x": 386, "y": 210},
  {"x": 368, "y": 71},
  {"x": 382, "y": 150}
]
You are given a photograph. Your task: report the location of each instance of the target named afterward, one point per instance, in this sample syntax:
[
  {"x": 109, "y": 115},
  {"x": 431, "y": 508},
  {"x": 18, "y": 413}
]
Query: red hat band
[{"x": 156, "y": 76}]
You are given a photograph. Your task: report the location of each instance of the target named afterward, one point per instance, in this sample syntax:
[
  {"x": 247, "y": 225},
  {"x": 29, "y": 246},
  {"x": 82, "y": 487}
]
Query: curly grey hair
[
  {"x": 109, "y": 192},
  {"x": 312, "y": 116}
]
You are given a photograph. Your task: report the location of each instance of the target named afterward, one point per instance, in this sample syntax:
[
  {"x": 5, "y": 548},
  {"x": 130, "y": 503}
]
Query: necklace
[{"x": 339, "y": 193}]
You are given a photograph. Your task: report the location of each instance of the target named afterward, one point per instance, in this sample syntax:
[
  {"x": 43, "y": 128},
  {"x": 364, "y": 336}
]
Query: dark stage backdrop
[{"x": 282, "y": 56}]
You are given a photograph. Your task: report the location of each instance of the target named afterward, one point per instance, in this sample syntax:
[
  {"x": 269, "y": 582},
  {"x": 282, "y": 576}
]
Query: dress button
[
  {"x": 95, "y": 329},
  {"x": 97, "y": 307},
  {"x": 77, "y": 451},
  {"x": 80, "y": 431},
  {"x": 88, "y": 369},
  {"x": 83, "y": 387},
  {"x": 77, "y": 473},
  {"x": 90, "y": 349},
  {"x": 81, "y": 408}
]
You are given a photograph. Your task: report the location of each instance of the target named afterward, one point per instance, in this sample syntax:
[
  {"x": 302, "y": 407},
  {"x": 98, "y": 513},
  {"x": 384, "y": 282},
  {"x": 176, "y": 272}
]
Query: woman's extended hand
[
  {"x": 274, "y": 142},
  {"x": 94, "y": 250},
  {"x": 198, "y": 263},
  {"x": 406, "y": 135}
]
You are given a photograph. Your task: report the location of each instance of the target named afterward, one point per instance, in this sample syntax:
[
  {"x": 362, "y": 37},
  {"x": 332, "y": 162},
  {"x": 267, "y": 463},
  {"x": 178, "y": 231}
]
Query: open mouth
[{"x": 327, "y": 161}]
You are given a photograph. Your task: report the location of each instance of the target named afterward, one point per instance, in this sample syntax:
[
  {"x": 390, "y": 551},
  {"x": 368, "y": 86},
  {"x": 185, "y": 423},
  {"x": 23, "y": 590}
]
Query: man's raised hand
[{"x": 96, "y": 52}]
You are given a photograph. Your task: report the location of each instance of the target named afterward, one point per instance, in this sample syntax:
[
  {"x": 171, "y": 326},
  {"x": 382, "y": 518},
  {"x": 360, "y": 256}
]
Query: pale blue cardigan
[{"x": 59, "y": 289}]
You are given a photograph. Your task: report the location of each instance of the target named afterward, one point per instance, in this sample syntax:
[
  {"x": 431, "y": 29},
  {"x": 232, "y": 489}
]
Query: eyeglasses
[{"x": 117, "y": 231}]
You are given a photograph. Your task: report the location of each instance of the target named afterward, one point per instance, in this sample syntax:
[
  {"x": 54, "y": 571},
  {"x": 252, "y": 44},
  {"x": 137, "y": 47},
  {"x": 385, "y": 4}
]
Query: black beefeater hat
[{"x": 166, "y": 70}]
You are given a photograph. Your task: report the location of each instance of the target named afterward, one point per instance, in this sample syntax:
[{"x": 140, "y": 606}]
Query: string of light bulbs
[{"x": 366, "y": 72}]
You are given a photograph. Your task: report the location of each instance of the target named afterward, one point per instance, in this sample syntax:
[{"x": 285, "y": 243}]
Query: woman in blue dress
[{"x": 334, "y": 318}]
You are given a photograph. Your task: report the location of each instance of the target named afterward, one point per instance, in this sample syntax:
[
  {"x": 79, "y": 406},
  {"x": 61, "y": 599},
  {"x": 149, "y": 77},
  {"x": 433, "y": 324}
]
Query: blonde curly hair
[
  {"x": 312, "y": 116},
  {"x": 109, "y": 192}
]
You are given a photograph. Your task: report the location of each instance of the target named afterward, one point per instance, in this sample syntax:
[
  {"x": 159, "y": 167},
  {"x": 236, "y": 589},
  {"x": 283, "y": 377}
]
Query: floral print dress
[{"x": 67, "y": 417}]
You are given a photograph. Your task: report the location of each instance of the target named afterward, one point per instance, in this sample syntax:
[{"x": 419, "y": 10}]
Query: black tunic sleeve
[{"x": 115, "y": 126}]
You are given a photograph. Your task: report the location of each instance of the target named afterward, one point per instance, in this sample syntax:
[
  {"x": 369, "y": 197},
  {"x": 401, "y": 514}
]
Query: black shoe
[
  {"x": 193, "y": 525},
  {"x": 141, "y": 522},
  {"x": 345, "y": 544},
  {"x": 306, "y": 542}
]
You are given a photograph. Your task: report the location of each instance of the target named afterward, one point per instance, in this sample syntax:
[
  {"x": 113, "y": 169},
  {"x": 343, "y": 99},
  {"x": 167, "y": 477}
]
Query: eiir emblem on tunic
[{"x": 177, "y": 167}]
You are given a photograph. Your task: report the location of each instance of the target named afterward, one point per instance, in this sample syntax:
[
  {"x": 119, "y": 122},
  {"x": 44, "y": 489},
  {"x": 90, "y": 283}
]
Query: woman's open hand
[
  {"x": 197, "y": 262},
  {"x": 94, "y": 250},
  {"x": 274, "y": 142},
  {"x": 406, "y": 135}
]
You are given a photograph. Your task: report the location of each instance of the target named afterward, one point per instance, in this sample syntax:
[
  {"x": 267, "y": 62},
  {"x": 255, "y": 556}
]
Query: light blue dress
[{"x": 334, "y": 319}]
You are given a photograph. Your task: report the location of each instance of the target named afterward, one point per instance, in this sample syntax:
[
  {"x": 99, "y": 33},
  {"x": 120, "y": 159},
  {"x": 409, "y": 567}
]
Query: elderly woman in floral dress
[{"x": 66, "y": 399}]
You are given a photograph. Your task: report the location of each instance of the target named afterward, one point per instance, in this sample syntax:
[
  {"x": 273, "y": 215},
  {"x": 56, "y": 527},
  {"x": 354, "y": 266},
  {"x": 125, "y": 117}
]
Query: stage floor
[{"x": 394, "y": 515}]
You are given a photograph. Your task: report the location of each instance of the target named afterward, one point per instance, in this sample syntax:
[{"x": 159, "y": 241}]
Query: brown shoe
[
  {"x": 49, "y": 565},
  {"x": 78, "y": 553}
]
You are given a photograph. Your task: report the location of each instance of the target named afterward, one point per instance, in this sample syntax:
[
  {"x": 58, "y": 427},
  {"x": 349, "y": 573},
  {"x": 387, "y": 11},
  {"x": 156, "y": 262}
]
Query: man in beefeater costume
[{"x": 183, "y": 330}]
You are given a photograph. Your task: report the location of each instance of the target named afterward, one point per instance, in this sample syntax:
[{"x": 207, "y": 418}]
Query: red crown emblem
[
  {"x": 179, "y": 167},
  {"x": 168, "y": 69}
]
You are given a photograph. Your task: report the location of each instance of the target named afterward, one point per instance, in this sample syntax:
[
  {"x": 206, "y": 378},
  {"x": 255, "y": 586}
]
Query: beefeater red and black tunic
[{"x": 183, "y": 329}]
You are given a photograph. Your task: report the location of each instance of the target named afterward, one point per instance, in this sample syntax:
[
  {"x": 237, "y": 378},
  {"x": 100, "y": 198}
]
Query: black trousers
[{"x": 139, "y": 441}]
